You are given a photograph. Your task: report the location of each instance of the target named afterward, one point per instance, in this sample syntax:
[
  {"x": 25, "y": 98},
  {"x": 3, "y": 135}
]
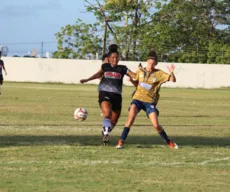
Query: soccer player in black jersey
[
  {"x": 110, "y": 90},
  {"x": 1, "y": 67}
]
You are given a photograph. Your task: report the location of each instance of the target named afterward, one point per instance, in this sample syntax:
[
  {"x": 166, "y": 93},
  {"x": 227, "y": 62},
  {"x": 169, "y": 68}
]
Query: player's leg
[
  {"x": 116, "y": 101},
  {"x": 133, "y": 111},
  {"x": 106, "y": 109},
  {"x": 132, "y": 98},
  {"x": 114, "y": 118},
  {"x": 154, "y": 120},
  {"x": 107, "y": 128}
]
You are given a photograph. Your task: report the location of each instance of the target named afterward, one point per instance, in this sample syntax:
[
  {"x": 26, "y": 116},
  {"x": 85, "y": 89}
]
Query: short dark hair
[
  {"x": 152, "y": 55},
  {"x": 113, "y": 48}
]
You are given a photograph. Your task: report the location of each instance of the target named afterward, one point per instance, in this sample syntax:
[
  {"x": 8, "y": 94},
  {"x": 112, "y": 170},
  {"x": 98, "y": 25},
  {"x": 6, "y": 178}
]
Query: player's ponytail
[
  {"x": 152, "y": 55},
  {"x": 113, "y": 48}
]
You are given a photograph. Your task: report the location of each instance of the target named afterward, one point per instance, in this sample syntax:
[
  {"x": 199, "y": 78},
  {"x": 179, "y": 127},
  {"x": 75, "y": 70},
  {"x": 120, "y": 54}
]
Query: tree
[
  {"x": 186, "y": 27},
  {"x": 179, "y": 30},
  {"x": 78, "y": 41},
  {"x": 127, "y": 18}
]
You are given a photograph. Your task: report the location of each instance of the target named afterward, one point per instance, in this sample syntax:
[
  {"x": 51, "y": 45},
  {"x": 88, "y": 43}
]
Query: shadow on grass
[
  {"x": 99, "y": 125},
  {"x": 92, "y": 140}
]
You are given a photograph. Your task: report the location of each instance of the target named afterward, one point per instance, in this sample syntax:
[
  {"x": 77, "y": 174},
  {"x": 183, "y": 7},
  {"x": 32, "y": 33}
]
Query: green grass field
[{"x": 43, "y": 149}]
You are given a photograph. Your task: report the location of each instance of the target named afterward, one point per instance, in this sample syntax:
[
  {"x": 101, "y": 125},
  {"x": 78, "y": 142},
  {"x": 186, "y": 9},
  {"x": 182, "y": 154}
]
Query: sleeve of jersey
[
  {"x": 125, "y": 70},
  {"x": 103, "y": 67},
  {"x": 164, "y": 77}
]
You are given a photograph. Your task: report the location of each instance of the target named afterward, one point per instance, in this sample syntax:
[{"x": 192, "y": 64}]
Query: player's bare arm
[
  {"x": 95, "y": 76},
  {"x": 133, "y": 81},
  {"x": 171, "y": 69},
  {"x": 131, "y": 74},
  {"x": 4, "y": 70}
]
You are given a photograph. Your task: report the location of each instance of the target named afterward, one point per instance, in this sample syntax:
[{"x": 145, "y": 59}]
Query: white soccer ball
[{"x": 80, "y": 114}]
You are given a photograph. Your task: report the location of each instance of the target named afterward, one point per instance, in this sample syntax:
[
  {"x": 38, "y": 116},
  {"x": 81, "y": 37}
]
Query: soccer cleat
[
  {"x": 105, "y": 139},
  {"x": 173, "y": 145},
  {"x": 120, "y": 144}
]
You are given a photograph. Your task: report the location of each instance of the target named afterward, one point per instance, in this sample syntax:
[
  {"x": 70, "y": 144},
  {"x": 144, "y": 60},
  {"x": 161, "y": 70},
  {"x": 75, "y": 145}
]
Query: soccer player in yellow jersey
[{"x": 146, "y": 97}]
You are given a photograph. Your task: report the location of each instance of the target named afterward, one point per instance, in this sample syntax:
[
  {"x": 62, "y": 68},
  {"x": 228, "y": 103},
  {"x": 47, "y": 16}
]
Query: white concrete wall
[{"x": 71, "y": 71}]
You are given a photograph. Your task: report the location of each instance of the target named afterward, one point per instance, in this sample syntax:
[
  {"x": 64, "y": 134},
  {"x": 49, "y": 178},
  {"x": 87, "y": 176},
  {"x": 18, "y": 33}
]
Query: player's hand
[
  {"x": 83, "y": 80},
  {"x": 5, "y": 73},
  {"x": 130, "y": 79},
  {"x": 171, "y": 68}
]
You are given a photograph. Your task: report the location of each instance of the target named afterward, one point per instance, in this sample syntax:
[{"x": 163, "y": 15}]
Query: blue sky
[{"x": 34, "y": 21}]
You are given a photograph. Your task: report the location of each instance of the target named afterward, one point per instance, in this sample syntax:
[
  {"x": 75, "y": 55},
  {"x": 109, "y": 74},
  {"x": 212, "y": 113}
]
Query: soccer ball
[{"x": 80, "y": 114}]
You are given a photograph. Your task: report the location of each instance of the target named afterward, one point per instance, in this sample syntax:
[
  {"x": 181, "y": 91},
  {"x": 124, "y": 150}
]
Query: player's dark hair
[
  {"x": 0, "y": 53},
  {"x": 152, "y": 55},
  {"x": 104, "y": 56},
  {"x": 113, "y": 48}
]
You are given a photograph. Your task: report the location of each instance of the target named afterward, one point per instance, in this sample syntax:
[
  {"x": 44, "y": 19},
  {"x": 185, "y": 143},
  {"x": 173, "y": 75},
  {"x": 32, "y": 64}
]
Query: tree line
[{"x": 187, "y": 31}]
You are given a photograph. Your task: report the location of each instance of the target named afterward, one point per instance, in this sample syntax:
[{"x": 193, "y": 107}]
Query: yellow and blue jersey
[{"x": 149, "y": 84}]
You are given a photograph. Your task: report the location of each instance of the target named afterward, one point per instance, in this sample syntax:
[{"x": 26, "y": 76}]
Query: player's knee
[
  {"x": 113, "y": 122},
  {"x": 107, "y": 116},
  {"x": 157, "y": 127},
  {"x": 106, "y": 113},
  {"x": 128, "y": 123}
]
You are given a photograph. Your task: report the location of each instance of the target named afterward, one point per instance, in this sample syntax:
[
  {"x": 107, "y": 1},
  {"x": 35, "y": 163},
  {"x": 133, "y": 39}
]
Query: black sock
[
  {"x": 164, "y": 136},
  {"x": 125, "y": 133}
]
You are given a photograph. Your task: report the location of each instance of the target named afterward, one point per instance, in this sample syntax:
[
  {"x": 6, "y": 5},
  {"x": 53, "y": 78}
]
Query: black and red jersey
[
  {"x": 1, "y": 66},
  {"x": 112, "y": 80}
]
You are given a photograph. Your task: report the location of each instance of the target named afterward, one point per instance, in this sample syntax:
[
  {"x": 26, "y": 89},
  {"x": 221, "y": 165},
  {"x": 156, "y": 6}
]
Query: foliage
[
  {"x": 78, "y": 41},
  {"x": 190, "y": 26},
  {"x": 219, "y": 53},
  {"x": 127, "y": 19},
  {"x": 179, "y": 30}
]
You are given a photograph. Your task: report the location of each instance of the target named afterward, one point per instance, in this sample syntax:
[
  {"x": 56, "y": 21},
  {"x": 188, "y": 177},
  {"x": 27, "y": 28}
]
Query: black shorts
[
  {"x": 1, "y": 77},
  {"x": 114, "y": 98}
]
